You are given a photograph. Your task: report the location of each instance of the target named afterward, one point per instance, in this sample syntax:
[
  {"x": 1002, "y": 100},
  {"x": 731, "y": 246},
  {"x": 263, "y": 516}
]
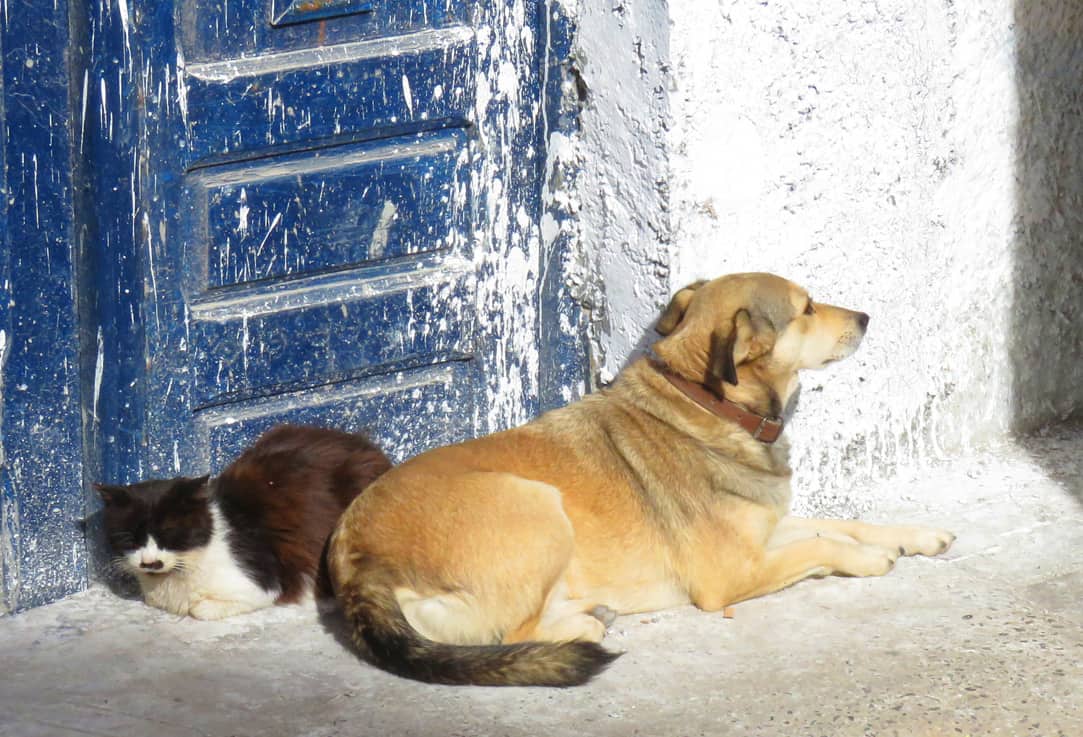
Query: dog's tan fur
[{"x": 635, "y": 499}]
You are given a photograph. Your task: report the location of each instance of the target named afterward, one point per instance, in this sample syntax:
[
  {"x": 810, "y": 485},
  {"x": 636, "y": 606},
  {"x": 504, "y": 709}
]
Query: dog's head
[{"x": 753, "y": 329}]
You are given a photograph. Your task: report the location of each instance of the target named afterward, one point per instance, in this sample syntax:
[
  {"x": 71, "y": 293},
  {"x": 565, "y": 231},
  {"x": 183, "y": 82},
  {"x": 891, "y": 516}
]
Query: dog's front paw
[
  {"x": 924, "y": 541},
  {"x": 869, "y": 560}
]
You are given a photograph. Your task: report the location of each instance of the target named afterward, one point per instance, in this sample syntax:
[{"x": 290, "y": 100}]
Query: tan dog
[{"x": 500, "y": 561}]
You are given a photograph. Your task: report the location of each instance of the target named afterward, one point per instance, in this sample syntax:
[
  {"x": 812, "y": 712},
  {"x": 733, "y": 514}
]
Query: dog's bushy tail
[{"x": 380, "y": 630}]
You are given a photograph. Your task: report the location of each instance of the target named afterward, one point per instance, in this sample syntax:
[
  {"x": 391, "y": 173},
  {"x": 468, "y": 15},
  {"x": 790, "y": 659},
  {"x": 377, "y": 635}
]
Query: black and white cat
[{"x": 251, "y": 537}]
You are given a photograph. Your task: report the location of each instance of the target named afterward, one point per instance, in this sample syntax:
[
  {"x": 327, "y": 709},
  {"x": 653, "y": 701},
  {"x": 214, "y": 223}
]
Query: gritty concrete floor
[{"x": 984, "y": 641}]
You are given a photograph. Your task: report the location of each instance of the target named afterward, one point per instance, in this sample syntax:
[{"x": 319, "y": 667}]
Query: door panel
[
  {"x": 360, "y": 89},
  {"x": 407, "y": 400},
  {"x": 210, "y": 30},
  {"x": 354, "y": 326},
  {"x": 330, "y": 209}
]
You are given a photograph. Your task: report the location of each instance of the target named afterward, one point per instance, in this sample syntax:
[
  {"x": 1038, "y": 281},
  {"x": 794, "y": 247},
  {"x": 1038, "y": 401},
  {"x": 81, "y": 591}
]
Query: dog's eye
[{"x": 809, "y": 309}]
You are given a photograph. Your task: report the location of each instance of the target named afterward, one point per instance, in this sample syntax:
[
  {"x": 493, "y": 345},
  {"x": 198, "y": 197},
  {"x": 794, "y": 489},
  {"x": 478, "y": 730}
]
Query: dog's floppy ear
[
  {"x": 722, "y": 367},
  {"x": 747, "y": 340},
  {"x": 674, "y": 313}
]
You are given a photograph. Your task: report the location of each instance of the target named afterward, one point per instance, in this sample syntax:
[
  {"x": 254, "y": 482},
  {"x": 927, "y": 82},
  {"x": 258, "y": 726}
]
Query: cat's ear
[
  {"x": 113, "y": 495},
  {"x": 196, "y": 488}
]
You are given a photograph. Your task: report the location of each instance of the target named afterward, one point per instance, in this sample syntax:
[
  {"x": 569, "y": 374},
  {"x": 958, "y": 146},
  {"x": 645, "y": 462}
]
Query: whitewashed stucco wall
[
  {"x": 622, "y": 53},
  {"x": 922, "y": 162}
]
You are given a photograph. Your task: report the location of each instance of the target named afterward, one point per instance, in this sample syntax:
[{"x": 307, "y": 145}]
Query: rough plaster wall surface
[
  {"x": 871, "y": 152},
  {"x": 1047, "y": 323},
  {"x": 623, "y": 52}
]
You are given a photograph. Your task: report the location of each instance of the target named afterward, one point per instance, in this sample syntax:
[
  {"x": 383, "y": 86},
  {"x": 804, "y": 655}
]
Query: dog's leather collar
[{"x": 765, "y": 429}]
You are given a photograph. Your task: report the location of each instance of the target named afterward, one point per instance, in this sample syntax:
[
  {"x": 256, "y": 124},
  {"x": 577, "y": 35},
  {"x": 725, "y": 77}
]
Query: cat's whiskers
[{"x": 120, "y": 563}]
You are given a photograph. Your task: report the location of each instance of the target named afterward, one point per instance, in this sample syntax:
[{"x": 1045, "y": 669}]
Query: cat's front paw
[{"x": 208, "y": 609}]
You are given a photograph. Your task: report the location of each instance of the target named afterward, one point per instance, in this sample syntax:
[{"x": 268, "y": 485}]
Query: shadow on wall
[{"x": 1046, "y": 338}]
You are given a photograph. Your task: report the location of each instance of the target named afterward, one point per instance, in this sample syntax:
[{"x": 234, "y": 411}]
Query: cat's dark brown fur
[{"x": 284, "y": 495}]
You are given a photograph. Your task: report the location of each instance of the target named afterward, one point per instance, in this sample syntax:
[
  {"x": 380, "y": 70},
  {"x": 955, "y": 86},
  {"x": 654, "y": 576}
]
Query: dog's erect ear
[
  {"x": 747, "y": 340},
  {"x": 674, "y": 313}
]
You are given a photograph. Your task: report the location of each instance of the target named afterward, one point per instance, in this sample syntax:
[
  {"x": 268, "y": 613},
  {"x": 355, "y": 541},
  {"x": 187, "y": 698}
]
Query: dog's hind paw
[{"x": 604, "y": 614}]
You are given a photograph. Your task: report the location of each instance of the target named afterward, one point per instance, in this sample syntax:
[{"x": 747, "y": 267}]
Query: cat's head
[{"x": 154, "y": 525}]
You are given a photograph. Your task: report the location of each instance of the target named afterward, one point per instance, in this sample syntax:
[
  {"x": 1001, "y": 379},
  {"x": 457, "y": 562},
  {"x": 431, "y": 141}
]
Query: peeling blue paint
[{"x": 562, "y": 327}]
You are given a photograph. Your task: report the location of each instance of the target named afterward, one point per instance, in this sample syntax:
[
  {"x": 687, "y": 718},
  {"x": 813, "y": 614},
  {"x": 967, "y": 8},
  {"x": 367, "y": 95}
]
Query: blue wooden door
[
  {"x": 220, "y": 215},
  {"x": 313, "y": 211}
]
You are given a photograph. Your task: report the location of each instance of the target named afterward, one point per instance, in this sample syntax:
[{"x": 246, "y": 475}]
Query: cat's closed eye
[{"x": 122, "y": 540}]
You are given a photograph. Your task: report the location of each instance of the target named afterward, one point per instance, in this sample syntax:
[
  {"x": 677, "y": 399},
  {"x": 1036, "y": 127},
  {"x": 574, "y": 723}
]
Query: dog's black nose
[
  {"x": 154, "y": 565},
  {"x": 862, "y": 320}
]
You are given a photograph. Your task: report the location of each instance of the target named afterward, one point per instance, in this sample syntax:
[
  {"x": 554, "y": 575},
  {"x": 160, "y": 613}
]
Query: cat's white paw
[{"x": 209, "y": 609}]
